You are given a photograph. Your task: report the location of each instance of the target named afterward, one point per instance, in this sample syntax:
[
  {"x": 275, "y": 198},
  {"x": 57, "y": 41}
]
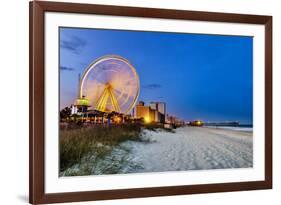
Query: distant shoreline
[{"x": 233, "y": 128}]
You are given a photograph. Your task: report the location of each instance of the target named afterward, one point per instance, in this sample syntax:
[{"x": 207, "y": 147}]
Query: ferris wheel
[{"x": 110, "y": 83}]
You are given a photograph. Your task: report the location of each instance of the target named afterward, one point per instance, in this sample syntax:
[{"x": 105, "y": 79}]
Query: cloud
[
  {"x": 66, "y": 68},
  {"x": 152, "y": 86},
  {"x": 75, "y": 44}
]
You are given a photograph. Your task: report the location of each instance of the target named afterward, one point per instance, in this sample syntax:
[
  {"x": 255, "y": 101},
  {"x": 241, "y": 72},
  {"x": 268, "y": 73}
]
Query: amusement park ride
[
  {"x": 108, "y": 92},
  {"x": 109, "y": 84}
]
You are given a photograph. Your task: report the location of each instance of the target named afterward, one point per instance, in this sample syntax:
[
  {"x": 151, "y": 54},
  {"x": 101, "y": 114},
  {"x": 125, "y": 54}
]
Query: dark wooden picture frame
[{"x": 37, "y": 193}]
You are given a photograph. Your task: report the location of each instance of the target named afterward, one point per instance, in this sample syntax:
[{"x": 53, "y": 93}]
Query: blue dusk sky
[{"x": 207, "y": 77}]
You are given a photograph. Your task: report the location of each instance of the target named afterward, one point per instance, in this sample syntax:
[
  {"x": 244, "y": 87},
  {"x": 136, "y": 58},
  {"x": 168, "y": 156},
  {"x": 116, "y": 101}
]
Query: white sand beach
[
  {"x": 187, "y": 148},
  {"x": 190, "y": 148}
]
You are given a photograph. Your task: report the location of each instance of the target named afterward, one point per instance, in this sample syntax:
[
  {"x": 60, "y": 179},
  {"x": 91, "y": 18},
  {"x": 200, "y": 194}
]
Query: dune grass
[{"x": 98, "y": 141}]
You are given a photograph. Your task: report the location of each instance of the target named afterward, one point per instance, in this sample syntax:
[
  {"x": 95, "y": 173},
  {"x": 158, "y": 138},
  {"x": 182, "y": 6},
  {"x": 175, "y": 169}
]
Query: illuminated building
[
  {"x": 159, "y": 106},
  {"x": 81, "y": 106},
  {"x": 197, "y": 123},
  {"x": 154, "y": 112},
  {"x": 145, "y": 112},
  {"x": 81, "y": 103},
  {"x": 174, "y": 121},
  {"x": 160, "y": 111}
]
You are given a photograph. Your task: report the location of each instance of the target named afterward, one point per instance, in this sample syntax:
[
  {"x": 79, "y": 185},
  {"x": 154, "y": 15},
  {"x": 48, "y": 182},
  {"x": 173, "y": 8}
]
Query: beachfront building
[
  {"x": 172, "y": 120},
  {"x": 160, "y": 108},
  {"x": 81, "y": 106},
  {"x": 145, "y": 112},
  {"x": 197, "y": 123},
  {"x": 154, "y": 112}
]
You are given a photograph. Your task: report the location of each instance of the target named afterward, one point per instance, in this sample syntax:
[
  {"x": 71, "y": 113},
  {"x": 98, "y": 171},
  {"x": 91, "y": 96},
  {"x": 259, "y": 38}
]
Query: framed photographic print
[{"x": 139, "y": 102}]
